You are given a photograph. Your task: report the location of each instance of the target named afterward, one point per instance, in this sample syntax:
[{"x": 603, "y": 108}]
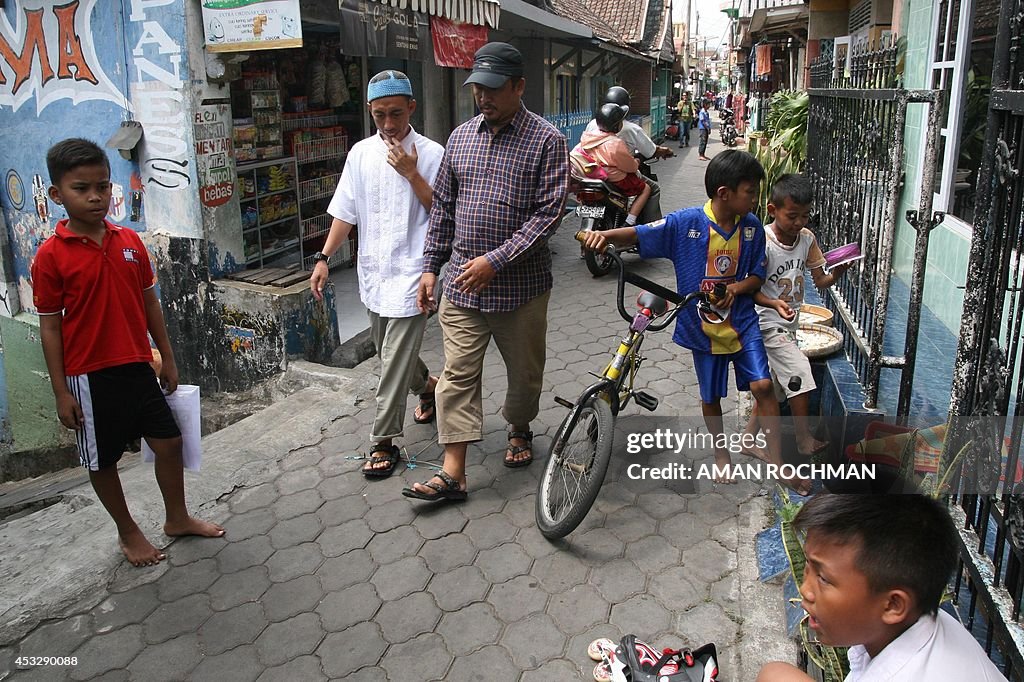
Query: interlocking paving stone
[
  {"x": 176, "y": 618},
  {"x": 559, "y": 572},
  {"x": 653, "y": 554},
  {"x": 517, "y": 598},
  {"x": 182, "y": 581},
  {"x": 170, "y": 661},
  {"x": 640, "y": 614},
  {"x": 470, "y": 628},
  {"x": 58, "y": 638},
  {"x": 343, "y": 653},
  {"x": 618, "y": 580},
  {"x": 295, "y": 531},
  {"x": 297, "y": 504},
  {"x": 239, "y": 664},
  {"x": 341, "y": 485},
  {"x": 709, "y": 622},
  {"x": 597, "y": 547},
  {"x": 422, "y": 658},
  {"x": 347, "y": 508},
  {"x": 503, "y": 562},
  {"x": 106, "y": 652},
  {"x": 407, "y": 617},
  {"x": 390, "y": 515},
  {"x": 395, "y": 544},
  {"x": 490, "y": 531},
  {"x": 249, "y": 524},
  {"x": 449, "y": 552},
  {"x": 119, "y": 610},
  {"x": 303, "y": 668},
  {"x": 533, "y": 641},
  {"x": 343, "y": 609},
  {"x": 346, "y": 570},
  {"x": 284, "y": 600},
  {"x": 521, "y": 511},
  {"x": 674, "y": 591},
  {"x": 245, "y": 586},
  {"x": 486, "y": 501},
  {"x": 368, "y": 674},
  {"x": 458, "y": 587},
  {"x": 578, "y": 608},
  {"x": 490, "y": 660},
  {"x": 257, "y": 497},
  {"x": 400, "y": 578},
  {"x": 301, "y": 459},
  {"x": 707, "y": 561},
  {"x": 281, "y": 642},
  {"x": 228, "y": 629},
  {"x": 337, "y": 540},
  {"x": 555, "y": 670},
  {"x": 287, "y": 564},
  {"x": 238, "y": 555},
  {"x": 295, "y": 481},
  {"x": 185, "y": 550}
]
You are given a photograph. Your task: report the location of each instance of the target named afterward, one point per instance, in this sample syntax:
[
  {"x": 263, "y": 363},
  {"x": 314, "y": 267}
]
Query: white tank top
[{"x": 785, "y": 275}]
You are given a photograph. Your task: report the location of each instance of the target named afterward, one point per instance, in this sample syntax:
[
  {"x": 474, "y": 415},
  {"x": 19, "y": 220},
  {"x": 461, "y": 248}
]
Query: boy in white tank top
[{"x": 791, "y": 250}]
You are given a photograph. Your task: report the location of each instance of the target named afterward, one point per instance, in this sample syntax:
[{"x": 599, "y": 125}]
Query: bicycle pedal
[{"x": 645, "y": 400}]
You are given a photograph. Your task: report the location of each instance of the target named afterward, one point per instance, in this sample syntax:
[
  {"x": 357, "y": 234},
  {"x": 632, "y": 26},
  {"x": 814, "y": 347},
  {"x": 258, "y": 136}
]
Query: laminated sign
[
  {"x": 243, "y": 25},
  {"x": 184, "y": 404}
]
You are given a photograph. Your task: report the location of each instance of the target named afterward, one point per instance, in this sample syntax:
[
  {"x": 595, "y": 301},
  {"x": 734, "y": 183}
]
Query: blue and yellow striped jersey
[{"x": 704, "y": 254}]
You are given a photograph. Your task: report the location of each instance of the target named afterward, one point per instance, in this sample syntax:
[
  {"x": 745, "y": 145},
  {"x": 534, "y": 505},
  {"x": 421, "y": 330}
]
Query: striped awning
[{"x": 479, "y": 12}]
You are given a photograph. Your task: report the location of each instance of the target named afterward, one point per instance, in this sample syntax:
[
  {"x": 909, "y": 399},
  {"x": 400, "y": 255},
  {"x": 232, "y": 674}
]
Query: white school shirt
[
  {"x": 392, "y": 223},
  {"x": 784, "y": 274},
  {"x": 934, "y": 649},
  {"x": 634, "y": 137}
]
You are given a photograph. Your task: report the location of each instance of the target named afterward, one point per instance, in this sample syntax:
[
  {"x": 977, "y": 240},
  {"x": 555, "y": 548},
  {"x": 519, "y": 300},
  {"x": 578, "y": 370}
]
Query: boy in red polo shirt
[{"x": 93, "y": 288}]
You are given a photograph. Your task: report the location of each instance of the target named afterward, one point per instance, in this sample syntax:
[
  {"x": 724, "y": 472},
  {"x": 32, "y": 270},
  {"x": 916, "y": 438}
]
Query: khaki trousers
[
  {"x": 521, "y": 339},
  {"x": 397, "y": 340}
]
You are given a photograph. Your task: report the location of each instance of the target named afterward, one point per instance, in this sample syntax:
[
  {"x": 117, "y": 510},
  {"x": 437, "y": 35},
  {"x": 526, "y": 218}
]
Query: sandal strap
[
  {"x": 518, "y": 449},
  {"x": 390, "y": 452},
  {"x": 450, "y": 482},
  {"x": 433, "y": 486},
  {"x": 525, "y": 435}
]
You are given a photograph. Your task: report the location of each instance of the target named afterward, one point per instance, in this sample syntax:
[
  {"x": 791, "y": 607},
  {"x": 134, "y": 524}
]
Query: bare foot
[
  {"x": 723, "y": 462},
  {"x": 193, "y": 526},
  {"x": 801, "y": 486},
  {"x": 138, "y": 550},
  {"x": 811, "y": 446},
  {"x": 756, "y": 453}
]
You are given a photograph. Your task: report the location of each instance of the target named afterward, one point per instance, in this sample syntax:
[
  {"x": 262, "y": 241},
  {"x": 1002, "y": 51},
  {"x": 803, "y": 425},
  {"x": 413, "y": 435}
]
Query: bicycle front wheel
[{"x": 575, "y": 470}]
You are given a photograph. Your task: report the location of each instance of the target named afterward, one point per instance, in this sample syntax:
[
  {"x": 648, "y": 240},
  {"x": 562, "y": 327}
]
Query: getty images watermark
[{"x": 663, "y": 440}]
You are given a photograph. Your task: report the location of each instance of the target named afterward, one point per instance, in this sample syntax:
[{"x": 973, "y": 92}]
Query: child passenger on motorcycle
[{"x": 615, "y": 158}]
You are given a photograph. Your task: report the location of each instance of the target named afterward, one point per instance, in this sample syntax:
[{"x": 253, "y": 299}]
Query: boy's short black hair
[
  {"x": 730, "y": 168},
  {"x": 906, "y": 541},
  {"x": 72, "y": 153},
  {"x": 794, "y": 187}
]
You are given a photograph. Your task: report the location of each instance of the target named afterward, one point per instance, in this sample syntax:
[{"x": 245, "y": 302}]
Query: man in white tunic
[{"x": 385, "y": 189}]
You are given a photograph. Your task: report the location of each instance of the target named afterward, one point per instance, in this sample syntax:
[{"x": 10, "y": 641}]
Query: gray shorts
[{"x": 786, "y": 360}]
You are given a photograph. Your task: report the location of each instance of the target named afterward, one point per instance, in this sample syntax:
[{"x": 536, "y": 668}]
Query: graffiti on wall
[
  {"x": 49, "y": 53},
  {"x": 213, "y": 151}
]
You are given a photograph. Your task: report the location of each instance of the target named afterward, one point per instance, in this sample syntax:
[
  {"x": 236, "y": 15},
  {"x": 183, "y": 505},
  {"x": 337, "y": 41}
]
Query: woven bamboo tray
[
  {"x": 817, "y": 340},
  {"x": 815, "y": 314}
]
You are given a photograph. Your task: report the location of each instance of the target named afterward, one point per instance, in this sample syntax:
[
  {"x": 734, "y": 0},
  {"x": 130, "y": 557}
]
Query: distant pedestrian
[
  {"x": 498, "y": 199},
  {"x": 685, "y": 109},
  {"x": 704, "y": 130},
  {"x": 385, "y": 189},
  {"x": 94, "y": 292}
]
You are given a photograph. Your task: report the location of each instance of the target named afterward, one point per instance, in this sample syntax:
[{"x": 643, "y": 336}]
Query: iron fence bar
[{"x": 923, "y": 224}]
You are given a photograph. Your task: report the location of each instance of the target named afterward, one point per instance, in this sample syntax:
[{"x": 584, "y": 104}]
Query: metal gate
[
  {"x": 855, "y": 162},
  {"x": 988, "y": 380}
]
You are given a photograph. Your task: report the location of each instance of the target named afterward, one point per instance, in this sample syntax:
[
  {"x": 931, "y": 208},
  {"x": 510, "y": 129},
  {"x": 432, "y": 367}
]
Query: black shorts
[{"x": 119, "y": 405}]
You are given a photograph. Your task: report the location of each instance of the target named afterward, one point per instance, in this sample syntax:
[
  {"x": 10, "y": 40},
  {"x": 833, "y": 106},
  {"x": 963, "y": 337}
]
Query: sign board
[
  {"x": 374, "y": 29},
  {"x": 244, "y": 25}
]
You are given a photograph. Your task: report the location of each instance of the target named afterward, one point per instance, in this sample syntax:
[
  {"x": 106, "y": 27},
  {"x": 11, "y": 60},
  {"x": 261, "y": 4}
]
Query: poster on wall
[
  {"x": 374, "y": 29},
  {"x": 244, "y": 25},
  {"x": 455, "y": 43}
]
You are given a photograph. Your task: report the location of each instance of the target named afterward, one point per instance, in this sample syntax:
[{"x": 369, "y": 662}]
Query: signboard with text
[{"x": 243, "y": 25}]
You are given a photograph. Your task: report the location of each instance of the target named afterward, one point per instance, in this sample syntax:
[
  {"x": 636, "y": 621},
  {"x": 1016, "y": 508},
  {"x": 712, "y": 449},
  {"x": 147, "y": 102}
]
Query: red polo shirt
[{"x": 99, "y": 289}]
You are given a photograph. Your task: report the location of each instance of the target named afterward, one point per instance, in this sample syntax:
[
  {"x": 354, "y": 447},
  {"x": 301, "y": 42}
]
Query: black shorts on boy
[{"x": 119, "y": 405}]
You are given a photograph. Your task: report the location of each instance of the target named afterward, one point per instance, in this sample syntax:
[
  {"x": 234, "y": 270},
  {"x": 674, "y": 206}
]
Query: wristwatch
[{"x": 320, "y": 256}]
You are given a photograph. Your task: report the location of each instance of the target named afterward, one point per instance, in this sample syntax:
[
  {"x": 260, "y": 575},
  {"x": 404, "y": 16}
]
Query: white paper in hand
[{"x": 184, "y": 404}]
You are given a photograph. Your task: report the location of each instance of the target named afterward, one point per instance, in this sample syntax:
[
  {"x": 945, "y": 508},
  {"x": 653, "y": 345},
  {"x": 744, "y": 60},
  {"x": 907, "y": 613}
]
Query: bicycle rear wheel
[{"x": 575, "y": 471}]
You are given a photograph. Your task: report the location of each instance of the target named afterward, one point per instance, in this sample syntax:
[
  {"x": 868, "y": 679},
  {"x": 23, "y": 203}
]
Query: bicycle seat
[{"x": 656, "y": 304}]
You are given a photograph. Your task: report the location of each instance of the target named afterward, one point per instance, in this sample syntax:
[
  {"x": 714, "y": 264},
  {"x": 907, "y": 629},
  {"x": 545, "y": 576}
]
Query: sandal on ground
[
  {"x": 450, "y": 490},
  {"x": 378, "y": 455},
  {"x": 514, "y": 450},
  {"x": 427, "y": 409}
]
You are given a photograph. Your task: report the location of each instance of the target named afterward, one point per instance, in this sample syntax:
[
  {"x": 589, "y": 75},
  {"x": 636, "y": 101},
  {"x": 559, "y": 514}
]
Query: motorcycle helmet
[
  {"x": 617, "y": 95},
  {"x": 610, "y": 116}
]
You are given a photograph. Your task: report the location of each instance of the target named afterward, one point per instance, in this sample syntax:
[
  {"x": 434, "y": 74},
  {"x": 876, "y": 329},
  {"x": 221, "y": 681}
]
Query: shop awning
[{"x": 478, "y": 12}]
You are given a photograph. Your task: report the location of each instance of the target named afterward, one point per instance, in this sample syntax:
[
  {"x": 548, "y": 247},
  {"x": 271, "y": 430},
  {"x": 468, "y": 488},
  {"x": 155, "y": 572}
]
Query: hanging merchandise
[
  {"x": 317, "y": 82},
  {"x": 764, "y": 61},
  {"x": 337, "y": 86}
]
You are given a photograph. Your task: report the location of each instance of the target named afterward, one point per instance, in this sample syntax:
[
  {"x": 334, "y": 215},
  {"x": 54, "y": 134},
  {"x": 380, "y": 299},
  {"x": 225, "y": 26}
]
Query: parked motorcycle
[
  {"x": 600, "y": 206},
  {"x": 672, "y": 131},
  {"x": 728, "y": 128}
]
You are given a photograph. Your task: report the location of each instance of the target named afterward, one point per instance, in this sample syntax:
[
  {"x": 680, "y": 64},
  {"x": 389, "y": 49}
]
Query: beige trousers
[
  {"x": 521, "y": 339},
  {"x": 397, "y": 340}
]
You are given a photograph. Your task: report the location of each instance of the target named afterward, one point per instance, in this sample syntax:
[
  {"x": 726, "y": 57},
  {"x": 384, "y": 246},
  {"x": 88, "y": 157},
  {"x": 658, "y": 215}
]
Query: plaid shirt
[{"x": 501, "y": 195}]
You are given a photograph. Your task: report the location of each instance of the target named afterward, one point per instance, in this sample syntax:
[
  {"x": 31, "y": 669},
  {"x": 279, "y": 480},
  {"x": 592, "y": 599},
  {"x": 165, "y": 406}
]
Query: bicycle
[{"x": 582, "y": 446}]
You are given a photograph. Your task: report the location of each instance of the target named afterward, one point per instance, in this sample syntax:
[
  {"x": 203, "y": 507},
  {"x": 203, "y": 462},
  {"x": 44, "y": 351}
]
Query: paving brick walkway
[{"x": 324, "y": 575}]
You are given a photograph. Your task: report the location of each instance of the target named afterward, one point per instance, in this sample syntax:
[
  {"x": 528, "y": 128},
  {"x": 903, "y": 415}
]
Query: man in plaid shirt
[{"x": 498, "y": 198}]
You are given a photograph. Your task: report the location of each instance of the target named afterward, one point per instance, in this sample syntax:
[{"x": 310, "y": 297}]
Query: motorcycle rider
[{"x": 636, "y": 139}]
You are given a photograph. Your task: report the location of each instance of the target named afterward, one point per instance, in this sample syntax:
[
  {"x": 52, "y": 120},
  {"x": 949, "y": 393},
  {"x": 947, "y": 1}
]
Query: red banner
[{"x": 455, "y": 43}]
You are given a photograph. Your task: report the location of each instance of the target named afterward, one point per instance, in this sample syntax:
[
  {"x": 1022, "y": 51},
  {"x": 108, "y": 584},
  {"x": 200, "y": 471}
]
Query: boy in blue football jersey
[{"x": 719, "y": 243}]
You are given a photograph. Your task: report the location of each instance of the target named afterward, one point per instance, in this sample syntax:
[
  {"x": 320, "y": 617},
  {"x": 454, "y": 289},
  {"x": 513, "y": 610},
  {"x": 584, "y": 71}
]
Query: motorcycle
[
  {"x": 728, "y": 128},
  {"x": 600, "y": 206},
  {"x": 672, "y": 131}
]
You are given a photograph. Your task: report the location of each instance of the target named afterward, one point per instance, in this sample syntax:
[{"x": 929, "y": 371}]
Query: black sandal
[
  {"x": 449, "y": 491},
  {"x": 514, "y": 450},
  {"x": 390, "y": 456},
  {"x": 426, "y": 403}
]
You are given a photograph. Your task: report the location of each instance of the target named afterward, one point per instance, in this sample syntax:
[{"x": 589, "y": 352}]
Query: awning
[
  {"x": 525, "y": 19},
  {"x": 779, "y": 20},
  {"x": 478, "y": 12}
]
